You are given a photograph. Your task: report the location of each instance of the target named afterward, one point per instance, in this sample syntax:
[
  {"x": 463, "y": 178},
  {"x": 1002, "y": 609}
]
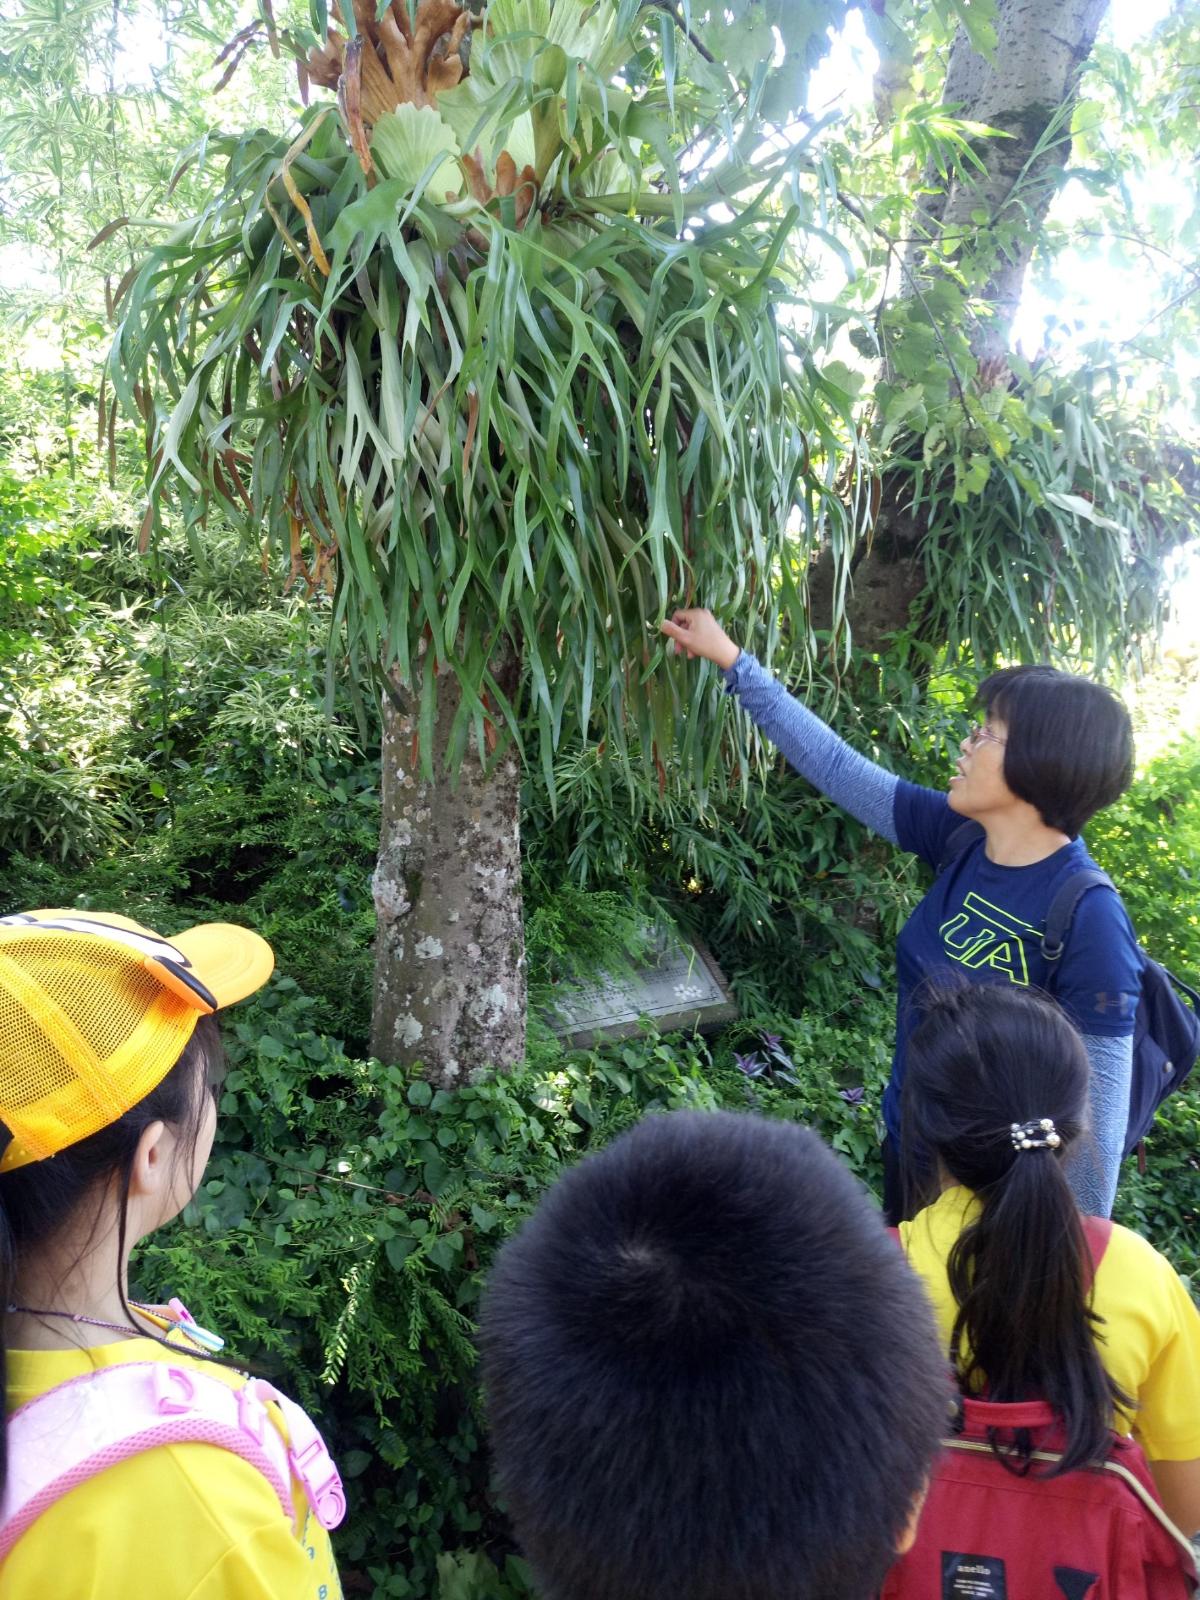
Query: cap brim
[{"x": 231, "y": 962}]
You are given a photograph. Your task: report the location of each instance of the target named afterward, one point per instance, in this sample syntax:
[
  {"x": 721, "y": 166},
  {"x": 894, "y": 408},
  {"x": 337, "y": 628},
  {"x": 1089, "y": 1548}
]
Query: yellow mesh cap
[{"x": 94, "y": 1012}]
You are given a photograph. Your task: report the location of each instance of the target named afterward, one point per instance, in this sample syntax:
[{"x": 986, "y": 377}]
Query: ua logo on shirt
[{"x": 984, "y": 935}]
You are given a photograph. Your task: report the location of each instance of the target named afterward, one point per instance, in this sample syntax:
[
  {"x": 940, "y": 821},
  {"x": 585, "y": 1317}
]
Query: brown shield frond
[{"x": 396, "y": 62}]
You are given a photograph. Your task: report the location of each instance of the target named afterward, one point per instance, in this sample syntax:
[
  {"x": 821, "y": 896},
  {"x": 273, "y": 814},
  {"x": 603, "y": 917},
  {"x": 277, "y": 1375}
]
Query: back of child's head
[
  {"x": 986, "y": 1056},
  {"x": 710, "y": 1374}
]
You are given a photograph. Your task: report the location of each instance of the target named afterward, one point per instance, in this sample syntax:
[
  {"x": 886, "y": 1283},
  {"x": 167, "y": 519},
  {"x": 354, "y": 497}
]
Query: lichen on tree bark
[
  {"x": 450, "y": 947},
  {"x": 1027, "y": 92}
]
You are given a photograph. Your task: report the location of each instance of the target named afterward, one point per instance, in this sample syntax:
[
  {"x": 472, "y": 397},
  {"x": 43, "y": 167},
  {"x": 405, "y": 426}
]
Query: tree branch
[
  {"x": 1186, "y": 294},
  {"x": 697, "y": 44}
]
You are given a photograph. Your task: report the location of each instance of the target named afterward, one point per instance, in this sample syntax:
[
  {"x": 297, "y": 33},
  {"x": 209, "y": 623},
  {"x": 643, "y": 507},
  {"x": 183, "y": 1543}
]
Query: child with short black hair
[{"x": 710, "y": 1374}]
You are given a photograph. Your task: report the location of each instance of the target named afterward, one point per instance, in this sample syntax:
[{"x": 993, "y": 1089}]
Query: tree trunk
[
  {"x": 449, "y": 941},
  {"x": 1029, "y": 89},
  {"x": 886, "y": 576},
  {"x": 1031, "y": 85}
]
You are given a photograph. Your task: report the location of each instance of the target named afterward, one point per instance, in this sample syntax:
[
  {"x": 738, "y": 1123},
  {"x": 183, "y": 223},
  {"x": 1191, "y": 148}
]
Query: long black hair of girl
[{"x": 985, "y": 1058}]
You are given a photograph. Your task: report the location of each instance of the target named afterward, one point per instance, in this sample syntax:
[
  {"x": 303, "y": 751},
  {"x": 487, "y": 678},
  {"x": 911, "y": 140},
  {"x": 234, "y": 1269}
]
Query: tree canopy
[{"x": 105, "y": 148}]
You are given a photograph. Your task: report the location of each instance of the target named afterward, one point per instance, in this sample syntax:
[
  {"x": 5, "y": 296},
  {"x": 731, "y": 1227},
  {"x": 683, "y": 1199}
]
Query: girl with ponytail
[{"x": 1035, "y": 1301}]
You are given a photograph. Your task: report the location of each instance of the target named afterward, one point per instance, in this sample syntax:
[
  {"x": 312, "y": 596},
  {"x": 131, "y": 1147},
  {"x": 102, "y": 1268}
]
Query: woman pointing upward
[{"x": 1051, "y": 750}]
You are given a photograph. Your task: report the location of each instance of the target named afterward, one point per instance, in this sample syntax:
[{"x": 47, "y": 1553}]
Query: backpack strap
[
  {"x": 1184, "y": 1547},
  {"x": 1062, "y": 908},
  {"x": 980, "y": 1414},
  {"x": 1097, "y": 1231},
  {"x": 957, "y": 841},
  {"x": 77, "y": 1429},
  {"x": 1184, "y": 989}
]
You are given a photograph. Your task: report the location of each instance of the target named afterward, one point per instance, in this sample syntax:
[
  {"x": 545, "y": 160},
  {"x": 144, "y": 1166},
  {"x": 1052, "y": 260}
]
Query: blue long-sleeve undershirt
[
  {"x": 859, "y": 786},
  {"x": 1094, "y": 1165}
]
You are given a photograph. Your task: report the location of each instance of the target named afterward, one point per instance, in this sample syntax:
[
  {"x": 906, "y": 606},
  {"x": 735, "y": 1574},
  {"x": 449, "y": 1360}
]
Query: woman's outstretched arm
[
  {"x": 850, "y": 780},
  {"x": 1094, "y": 1166}
]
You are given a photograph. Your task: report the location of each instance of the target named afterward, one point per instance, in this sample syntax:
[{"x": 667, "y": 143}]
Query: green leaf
[
  {"x": 1079, "y": 507},
  {"x": 844, "y": 379},
  {"x": 398, "y": 1249},
  {"x": 445, "y": 1251},
  {"x": 416, "y": 149},
  {"x": 902, "y": 407},
  {"x": 435, "y": 1172}
]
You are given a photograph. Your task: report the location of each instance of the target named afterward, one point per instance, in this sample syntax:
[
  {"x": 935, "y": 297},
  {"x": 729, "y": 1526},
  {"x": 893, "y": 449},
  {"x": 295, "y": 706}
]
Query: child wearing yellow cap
[{"x": 131, "y": 1462}]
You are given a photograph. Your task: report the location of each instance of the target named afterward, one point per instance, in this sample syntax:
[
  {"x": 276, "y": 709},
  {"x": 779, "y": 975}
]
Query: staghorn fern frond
[
  {"x": 391, "y": 60},
  {"x": 543, "y": 411},
  {"x": 412, "y": 140}
]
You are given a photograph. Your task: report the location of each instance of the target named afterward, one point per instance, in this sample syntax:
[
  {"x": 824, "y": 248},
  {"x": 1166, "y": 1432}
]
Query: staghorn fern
[{"x": 480, "y": 358}]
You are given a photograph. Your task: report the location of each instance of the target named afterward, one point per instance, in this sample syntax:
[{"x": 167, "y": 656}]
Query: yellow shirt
[
  {"x": 1149, "y": 1341},
  {"x": 179, "y": 1522}
]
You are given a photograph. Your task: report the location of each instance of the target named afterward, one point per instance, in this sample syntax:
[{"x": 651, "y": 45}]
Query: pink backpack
[{"x": 77, "y": 1429}]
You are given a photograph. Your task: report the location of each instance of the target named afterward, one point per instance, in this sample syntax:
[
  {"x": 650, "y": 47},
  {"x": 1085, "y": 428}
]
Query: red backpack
[
  {"x": 1098, "y": 1533},
  {"x": 986, "y": 1534}
]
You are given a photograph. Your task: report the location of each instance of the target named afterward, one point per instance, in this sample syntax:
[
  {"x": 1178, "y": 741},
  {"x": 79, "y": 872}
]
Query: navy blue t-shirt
[{"x": 985, "y": 922}]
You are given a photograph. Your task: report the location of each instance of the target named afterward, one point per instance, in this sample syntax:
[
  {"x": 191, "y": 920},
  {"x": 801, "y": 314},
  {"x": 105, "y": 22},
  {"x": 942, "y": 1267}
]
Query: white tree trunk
[
  {"x": 1029, "y": 88},
  {"x": 449, "y": 942},
  {"x": 1027, "y": 92}
]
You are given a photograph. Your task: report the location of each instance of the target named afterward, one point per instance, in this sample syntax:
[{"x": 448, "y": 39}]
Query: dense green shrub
[
  {"x": 290, "y": 858},
  {"x": 1163, "y": 1202},
  {"x": 1150, "y": 844},
  {"x": 349, "y": 1213},
  {"x": 174, "y": 755}
]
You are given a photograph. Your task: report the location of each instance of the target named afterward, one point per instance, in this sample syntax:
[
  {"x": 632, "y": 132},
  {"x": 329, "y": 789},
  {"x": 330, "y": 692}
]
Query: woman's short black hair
[
  {"x": 1070, "y": 742},
  {"x": 710, "y": 1374}
]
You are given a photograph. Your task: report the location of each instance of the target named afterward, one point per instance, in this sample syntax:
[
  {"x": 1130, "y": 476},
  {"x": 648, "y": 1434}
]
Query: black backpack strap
[
  {"x": 1062, "y": 908},
  {"x": 1185, "y": 989},
  {"x": 958, "y": 840}
]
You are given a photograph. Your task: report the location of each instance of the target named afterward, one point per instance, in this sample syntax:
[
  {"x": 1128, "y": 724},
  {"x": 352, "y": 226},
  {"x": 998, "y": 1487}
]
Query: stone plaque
[{"x": 680, "y": 987}]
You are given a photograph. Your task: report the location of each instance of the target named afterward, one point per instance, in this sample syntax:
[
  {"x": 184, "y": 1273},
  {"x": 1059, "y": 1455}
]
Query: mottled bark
[
  {"x": 449, "y": 943},
  {"x": 886, "y": 576},
  {"x": 1031, "y": 83},
  {"x": 1030, "y": 86}
]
